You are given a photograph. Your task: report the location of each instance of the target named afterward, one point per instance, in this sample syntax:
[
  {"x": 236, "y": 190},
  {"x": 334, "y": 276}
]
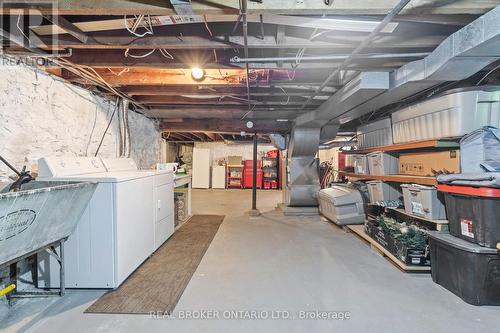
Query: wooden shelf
[
  {"x": 431, "y": 181},
  {"x": 235, "y": 166},
  {"x": 402, "y": 211},
  {"x": 360, "y": 231},
  {"x": 441, "y": 143}
]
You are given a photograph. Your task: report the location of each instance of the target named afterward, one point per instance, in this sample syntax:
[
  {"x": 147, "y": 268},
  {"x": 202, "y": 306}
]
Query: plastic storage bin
[
  {"x": 360, "y": 163},
  {"x": 378, "y": 133},
  {"x": 473, "y": 213},
  {"x": 381, "y": 191},
  {"x": 480, "y": 150},
  {"x": 470, "y": 271},
  {"x": 381, "y": 164},
  {"x": 424, "y": 201},
  {"x": 342, "y": 205},
  {"x": 456, "y": 113}
]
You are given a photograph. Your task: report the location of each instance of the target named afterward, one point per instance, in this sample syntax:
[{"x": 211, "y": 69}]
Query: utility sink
[{"x": 40, "y": 214}]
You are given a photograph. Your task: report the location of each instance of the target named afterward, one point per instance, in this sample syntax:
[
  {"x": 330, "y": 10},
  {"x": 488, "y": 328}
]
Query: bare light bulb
[{"x": 197, "y": 73}]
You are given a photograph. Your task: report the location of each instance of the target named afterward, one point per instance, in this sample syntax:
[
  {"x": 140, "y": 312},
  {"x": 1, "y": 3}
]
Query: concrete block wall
[{"x": 42, "y": 116}]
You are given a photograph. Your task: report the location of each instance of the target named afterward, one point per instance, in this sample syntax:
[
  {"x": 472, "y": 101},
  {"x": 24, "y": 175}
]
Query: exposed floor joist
[
  {"x": 293, "y": 7},
  {"x": 211, "y": 125}
]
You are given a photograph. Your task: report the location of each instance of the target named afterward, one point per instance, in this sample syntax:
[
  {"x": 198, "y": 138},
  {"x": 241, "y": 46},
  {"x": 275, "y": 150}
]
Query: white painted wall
[
  {"x": 220, "y": 150},
  {"x": 43, "y": 116}
]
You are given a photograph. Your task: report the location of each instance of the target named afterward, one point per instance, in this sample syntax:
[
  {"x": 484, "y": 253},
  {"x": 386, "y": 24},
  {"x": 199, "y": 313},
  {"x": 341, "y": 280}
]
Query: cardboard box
[
  {"x": 429, "y": 163},
  {"x": 234, "y": 160}
]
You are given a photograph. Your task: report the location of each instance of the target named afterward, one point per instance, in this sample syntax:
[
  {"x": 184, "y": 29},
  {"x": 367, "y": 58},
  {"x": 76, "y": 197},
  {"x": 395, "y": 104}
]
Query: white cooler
[{"x": 342, "y": 205}]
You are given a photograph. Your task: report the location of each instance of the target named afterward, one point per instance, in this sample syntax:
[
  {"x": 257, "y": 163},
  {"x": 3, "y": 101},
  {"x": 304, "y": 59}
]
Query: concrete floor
[{"x": 279, "y": 267}]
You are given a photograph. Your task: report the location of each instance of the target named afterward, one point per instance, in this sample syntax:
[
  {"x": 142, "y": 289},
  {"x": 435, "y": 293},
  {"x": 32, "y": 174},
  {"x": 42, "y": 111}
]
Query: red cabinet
[{"x": 248, "y": 174}]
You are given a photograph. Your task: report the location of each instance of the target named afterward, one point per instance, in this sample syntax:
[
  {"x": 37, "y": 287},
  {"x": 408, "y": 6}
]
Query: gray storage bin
[
  {"x": 381, "y": 164},
  {"x": 480, "y": 151},
  {"x": 378, "y": 133},
  {"x": 379, "y": 191},
  {"x": 360, "y": 164},
  {"x": 424, "y": 201},
  {"x": 454, "y": 113},
  {"x": 342, "y": 205}
]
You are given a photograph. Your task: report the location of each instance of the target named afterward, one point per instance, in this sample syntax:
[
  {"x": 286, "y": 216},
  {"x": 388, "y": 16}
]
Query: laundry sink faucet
[{"x": 23, "y": 176}]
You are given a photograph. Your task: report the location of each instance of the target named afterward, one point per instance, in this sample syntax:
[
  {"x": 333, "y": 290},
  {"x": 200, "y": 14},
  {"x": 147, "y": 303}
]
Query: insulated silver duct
[
  {"x": 458, "y": 57},
  {"x": 303, "y": 184},
  {"x": 313, "y": 128},
  {"x": 461, "y": 55}
]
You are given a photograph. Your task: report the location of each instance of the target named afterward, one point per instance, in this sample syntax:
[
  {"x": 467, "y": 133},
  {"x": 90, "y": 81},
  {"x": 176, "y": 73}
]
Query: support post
[
  {"x": 254, "y": 187},
  {"x": 62, "y": 282},
  {"x": 254, "y": 211}
]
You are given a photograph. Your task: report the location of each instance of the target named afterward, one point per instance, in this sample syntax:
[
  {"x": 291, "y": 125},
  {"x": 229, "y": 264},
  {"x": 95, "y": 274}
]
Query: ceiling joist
[{"x": 218, "y": 7}]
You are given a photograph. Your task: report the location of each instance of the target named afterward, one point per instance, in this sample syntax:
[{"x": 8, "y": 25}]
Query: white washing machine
[
  {"x": 116, "y": 232},
  {"x": 163, "y": 195}
]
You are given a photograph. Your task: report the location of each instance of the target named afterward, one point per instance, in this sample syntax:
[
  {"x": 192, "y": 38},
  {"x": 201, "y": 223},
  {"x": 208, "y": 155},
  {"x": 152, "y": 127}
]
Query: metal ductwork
[
  {"x": 312, "y": 128},
  {"x": 458, "y": 57},
  {"x": 303, "y": 184},
  {"x": 278, "y": 140},
  {"x": 461, "y": 55}
]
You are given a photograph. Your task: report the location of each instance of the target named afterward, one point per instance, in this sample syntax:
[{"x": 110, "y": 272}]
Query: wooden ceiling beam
[
  {"x": 218, "y": 7},
  {"x": 179, "y": 100},
  {"x": 182, "y": 77},
  {"x": 335, "y": 24},
  {"x": 231, "y": 125},
  {"x": 70, "y": 28},
  {"x": 219, "y": 91},
  {"x": 161, "y": 76},
  {"x": 116, "y": 60},
  {"x": 185, "y": 136},
  {"x": 199, "y": 136},
  {"x": 211, "y": 136},
  {"x": 190, "y": 42},
  {"x": 174, "y": 136}
]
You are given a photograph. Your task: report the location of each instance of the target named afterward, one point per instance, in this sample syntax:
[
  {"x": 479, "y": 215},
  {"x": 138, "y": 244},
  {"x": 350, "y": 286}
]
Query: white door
[
  {"x": 201, "y": 168},
  {"x": 218, "y": 176}
]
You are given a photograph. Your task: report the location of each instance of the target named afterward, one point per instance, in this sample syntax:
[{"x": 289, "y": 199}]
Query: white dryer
[
  {"x": 163, "y": 196},
  {"x": 115, "y": 234}
]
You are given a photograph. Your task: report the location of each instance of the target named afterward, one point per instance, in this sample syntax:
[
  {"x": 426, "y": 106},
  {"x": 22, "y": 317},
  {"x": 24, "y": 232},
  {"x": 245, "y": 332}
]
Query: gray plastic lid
[{"x": 461, "y": 244}]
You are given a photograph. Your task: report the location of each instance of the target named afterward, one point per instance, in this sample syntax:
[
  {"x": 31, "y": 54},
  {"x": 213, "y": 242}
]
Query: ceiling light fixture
[{"x": 198, "y": 73}]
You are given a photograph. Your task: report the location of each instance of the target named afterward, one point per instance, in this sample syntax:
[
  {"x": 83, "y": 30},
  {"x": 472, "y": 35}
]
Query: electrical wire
[
  {"x": 147, "y": 24},
  {"x": 107, "y": 127},
  {"x": 19, "y": 28},
  {"x": 206, "y": 25},
  {"x": 92, "y": 131},
  {"x": 487, "y": 74},
  {"x": 166, "y": 54},
  {"x": 88, "y": 73},
  {"x": 248, "y": 112},
  {"x": 300, "y": 54},
  {"x": 288, "y": 97},
  {"x": 138, "y": 20},
  {"x": 127, "y": 54},
  {"x": 224, "y": 77},
  {"x": 125, "y": 70}
]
